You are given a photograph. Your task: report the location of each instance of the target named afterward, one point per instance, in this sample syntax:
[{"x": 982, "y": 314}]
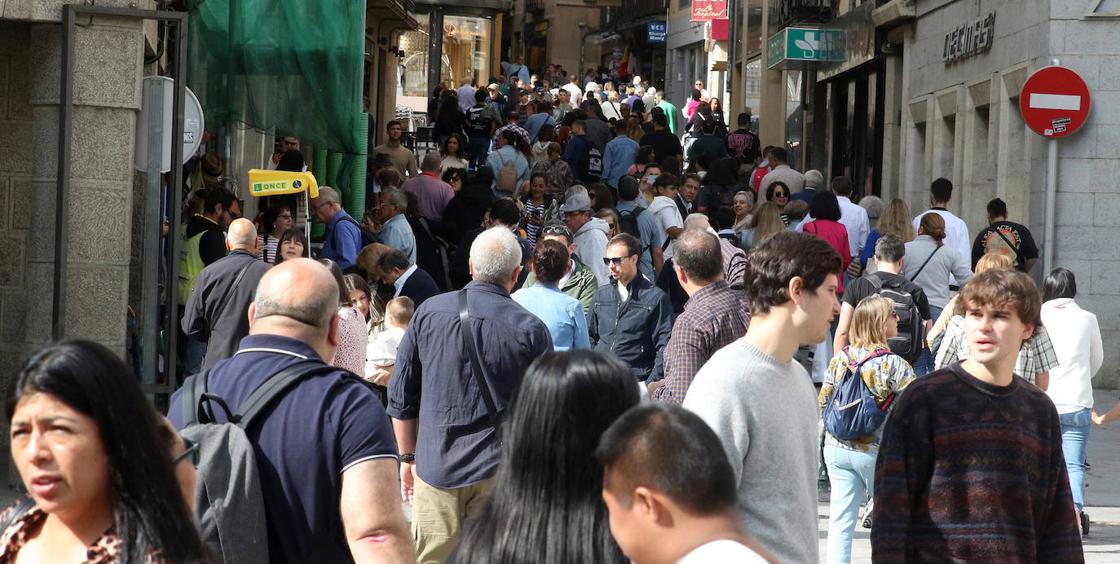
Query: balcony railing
[
  {"x": 634, "y": 10},
  {"x": 534, "y": 6}
]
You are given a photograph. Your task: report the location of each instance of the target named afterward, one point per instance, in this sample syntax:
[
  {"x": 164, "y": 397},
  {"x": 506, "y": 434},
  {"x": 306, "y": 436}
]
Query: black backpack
[
  {"x": 367, "y": 236},
  {"x": 911, "y": 327},
  {"x": 628, "y": 221}
]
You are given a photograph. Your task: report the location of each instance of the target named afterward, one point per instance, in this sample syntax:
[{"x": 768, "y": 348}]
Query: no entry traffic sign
[{"x": 1054, "y": 102}]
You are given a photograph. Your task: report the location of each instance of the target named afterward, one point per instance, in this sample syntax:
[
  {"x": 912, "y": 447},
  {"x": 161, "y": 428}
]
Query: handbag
[{"x": 476, "y": 366}]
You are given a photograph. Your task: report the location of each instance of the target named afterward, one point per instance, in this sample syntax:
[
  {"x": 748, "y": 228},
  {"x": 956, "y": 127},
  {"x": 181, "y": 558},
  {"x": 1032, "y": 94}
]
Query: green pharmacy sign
[{"x": 793, "y": 46}]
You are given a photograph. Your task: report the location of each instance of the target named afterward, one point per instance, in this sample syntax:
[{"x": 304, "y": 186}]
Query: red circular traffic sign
[{"x": 1054, "y": 102}]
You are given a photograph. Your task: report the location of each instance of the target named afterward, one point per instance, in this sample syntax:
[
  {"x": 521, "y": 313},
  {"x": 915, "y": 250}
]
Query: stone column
[
  {"x": 107, "y": 78},
  {"x": 772, "y": 95}
]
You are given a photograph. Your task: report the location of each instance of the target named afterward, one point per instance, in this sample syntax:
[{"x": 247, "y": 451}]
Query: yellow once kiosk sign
[{"x": 280, "y": 182}]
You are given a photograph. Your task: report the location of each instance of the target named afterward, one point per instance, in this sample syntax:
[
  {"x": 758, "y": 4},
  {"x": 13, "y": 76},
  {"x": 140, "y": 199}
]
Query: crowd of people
[{"x": 574, "y": 337}]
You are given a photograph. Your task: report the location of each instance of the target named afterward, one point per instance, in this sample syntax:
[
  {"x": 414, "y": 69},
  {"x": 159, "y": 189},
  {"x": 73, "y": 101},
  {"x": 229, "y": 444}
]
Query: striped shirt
[{"x": 714, "y": 317}]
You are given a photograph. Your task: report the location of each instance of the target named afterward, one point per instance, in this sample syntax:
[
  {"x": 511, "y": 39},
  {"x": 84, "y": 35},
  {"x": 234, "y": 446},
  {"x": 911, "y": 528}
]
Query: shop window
[{"x": 466, "y": 52}]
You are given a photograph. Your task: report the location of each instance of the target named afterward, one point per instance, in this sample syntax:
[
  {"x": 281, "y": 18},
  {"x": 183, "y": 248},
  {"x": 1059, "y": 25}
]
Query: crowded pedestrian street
[{"x": 560, "y": 281}]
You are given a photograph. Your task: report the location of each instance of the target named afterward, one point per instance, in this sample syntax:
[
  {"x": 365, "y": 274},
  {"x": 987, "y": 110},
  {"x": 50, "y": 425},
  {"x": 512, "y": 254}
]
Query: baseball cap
[
  {"x": 576, "y": 200},
  {"x": 492, "y": 86}
]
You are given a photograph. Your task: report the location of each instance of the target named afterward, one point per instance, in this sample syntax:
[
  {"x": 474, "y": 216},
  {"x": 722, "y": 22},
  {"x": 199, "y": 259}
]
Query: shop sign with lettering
[{"x": 970, "y": 39}]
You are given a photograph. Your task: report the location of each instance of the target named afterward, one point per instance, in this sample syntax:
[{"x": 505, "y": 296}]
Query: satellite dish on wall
[{"x": 163, "y": 89}]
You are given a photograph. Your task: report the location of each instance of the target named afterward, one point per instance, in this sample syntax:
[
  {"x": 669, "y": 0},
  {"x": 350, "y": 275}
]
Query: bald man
[
  {"x": 331, "y": 490},
  {"x": 216, "y": 310}
]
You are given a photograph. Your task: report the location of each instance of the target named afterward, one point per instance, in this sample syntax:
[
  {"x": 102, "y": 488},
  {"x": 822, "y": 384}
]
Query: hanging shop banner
[
  {"x": 708, "y": 10},
  {"x": 656, "y": 32},
  {"x": 278, "y": 182}
]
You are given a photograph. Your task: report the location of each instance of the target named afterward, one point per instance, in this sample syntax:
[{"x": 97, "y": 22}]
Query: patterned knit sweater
[{"x": 971, "y": 472}]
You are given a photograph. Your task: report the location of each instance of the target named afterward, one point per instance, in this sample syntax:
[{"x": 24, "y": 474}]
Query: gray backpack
[{"x": 229, "y": 503}]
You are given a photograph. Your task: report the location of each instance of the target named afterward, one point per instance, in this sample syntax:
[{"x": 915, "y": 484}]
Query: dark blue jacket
[
  {"x": 637, "y": 330},
  {"x": 432, "y": 380}
]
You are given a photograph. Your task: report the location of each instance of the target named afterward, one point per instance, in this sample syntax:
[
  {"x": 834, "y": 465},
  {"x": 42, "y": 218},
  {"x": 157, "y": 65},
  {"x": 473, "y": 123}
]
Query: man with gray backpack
[
  {"x": 296, "y": 459},
  {"x": 910, "y": 304}
]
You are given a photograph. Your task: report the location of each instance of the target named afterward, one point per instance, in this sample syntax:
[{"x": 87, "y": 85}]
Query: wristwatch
[{"x": 409, "y": 458}]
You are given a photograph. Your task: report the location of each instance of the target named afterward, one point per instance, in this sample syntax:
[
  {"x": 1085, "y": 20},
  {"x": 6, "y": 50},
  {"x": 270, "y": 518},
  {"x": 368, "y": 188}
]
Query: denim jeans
[
  {"x": 851, "y": 474},
  {"x": 1075, "y": 437},
  {"x": 924, "y": 364},
  {"x": 477, "y": 149}
]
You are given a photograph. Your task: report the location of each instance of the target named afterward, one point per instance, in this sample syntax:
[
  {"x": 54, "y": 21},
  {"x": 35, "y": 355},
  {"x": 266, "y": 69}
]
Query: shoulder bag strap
[
  {"x": 929, "y": 258},
  {"x": 233, "y": 287},
  {"x": 1014, "y": 249},
  {"x": 476, "y": 365},
  {"x": 192, "y": 403},
  {"x": 275, "y": 386}
]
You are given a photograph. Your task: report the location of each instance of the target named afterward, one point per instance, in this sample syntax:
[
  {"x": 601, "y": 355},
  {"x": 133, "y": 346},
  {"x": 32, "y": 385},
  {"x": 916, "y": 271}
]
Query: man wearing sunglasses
[{"x": 630, "y": 317}]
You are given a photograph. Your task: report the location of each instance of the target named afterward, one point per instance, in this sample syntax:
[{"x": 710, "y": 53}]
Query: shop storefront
[{"x": 466, "y": 51}]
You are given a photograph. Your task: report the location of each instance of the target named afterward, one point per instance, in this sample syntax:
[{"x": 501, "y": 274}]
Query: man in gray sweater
[{"x": 762, "y": 404}]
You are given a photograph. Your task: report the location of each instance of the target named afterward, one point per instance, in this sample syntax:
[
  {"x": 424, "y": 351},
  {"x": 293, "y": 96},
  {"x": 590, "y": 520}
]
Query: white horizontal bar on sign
[{"x": 1055, "y": 102}]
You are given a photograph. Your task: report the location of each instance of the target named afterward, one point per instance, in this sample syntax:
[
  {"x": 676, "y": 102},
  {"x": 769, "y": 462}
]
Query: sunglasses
[
  {"x": 191, "y": 452},
  {"x": 780, "y": 195},
  {"x": 615, "y": 260}
]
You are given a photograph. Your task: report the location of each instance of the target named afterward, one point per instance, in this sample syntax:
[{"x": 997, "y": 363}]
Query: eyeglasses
[
  {"x": 192, "y": 452},
  {"x": 615, "y": 260},
  {"x": 610, "y": 225},
  {"x": 780, "y": 195}
]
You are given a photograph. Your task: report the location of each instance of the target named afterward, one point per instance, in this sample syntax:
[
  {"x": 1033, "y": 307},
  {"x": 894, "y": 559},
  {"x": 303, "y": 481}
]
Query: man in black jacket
[
  {"x": 216, "y": 312},
  {"x": 630, "y": 317},
  {"x": 407, "y": 279}
]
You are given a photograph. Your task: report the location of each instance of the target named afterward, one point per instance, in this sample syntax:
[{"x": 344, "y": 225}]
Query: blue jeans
[
  {"x": 477, "y": 149},
  {"x": 851, "y": 474},
  {"x": 924, "y": 364},
  {"x": 1075, "y": 437}
]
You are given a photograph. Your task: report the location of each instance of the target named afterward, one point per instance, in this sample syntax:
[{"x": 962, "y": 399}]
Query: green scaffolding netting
[{"x": 293, "y": 66}]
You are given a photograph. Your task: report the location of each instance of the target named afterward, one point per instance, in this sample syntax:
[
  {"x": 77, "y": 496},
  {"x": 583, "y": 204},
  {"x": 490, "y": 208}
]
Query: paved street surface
[{"x": 1102, "y": 497}]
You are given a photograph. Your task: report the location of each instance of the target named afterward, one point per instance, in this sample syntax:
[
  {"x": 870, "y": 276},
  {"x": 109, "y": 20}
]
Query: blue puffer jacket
[{"x": 637, "y": 330}]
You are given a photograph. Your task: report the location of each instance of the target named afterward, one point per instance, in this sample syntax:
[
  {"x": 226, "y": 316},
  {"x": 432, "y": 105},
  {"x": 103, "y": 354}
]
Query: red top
[{"x": 836, "y": 235}]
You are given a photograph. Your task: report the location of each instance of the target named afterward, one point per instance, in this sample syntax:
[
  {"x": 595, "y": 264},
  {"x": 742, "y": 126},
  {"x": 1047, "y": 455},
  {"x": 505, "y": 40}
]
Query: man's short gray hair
[
  {"x": 697, "y": 221},
  {"x": 431, "y": 162},
  {"x": 495, "y": 254},
  {"x": 396, "y": 198},
  {"x": 327, "y": 194},
  {"x": 890, "y": 248}
]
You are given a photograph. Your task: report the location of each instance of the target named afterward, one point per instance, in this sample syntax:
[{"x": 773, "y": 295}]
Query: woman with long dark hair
[
  {"x": 546, "y": 504},
  {"x": 91, "y": 451},
  {"x": 449, "y": 118}
]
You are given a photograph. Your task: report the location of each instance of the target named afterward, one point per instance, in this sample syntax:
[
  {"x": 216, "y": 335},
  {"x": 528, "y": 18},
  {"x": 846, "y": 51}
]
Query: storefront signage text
[
  {"x": 707, "y": 10},
  {"x": 970, "y": 39},
  {"x": 656, "y": 32}
]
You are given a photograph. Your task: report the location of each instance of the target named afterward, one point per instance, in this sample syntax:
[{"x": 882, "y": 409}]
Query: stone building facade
[{"x": 960, "y": 119}]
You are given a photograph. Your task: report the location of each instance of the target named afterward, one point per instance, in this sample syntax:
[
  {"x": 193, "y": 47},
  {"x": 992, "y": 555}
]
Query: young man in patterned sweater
[{"x": 970, "y": 467}]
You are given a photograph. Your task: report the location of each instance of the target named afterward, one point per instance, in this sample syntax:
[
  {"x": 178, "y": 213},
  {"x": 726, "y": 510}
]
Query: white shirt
[
  {"x": 623, "y": 292},
  {"x": 722, "y": 551},
  {"x": 382, "y": 349},
  {"x": 956, "y": 232},
  {"x": 399, "y": 284},
  {"x": 854, "y": 219},
  {"x": 567, "y": 275},
  {"x": 1076, "y": 337},
  {"x": 575, "y": 91}
]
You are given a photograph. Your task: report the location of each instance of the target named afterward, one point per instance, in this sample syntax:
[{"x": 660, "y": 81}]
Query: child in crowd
[{"x": 381, "y": 353}]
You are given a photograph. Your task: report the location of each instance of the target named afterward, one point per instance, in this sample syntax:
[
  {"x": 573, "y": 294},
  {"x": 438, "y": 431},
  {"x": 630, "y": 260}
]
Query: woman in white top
[
  {"x": 1077, "y": 344},
  {"x": 276, "y": 220},
  {"x": 454, "y": 152},
  {"x": 928, "y": 263}
]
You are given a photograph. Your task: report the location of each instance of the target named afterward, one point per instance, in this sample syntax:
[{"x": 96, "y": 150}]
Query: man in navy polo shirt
[
  {"x": 325, "y": 450},
  {"x": 438, "y": 413}
]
